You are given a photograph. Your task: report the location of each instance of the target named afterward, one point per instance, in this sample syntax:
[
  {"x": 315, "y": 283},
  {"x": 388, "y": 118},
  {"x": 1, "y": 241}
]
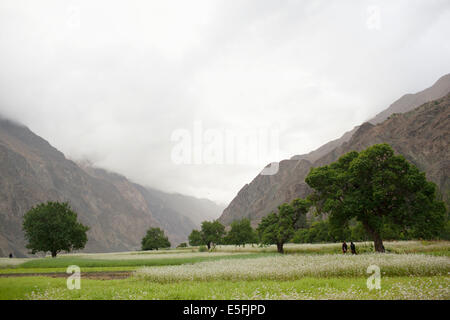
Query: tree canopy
[
  {"x": 195, "y": 238},
  {"x": 53, "y": 227},
  {"x": 241, "y": 232},
  {"x": 155, "y": 239},
  {"x": 380, "y": 190},
  {"x": 212, "y": 232}
]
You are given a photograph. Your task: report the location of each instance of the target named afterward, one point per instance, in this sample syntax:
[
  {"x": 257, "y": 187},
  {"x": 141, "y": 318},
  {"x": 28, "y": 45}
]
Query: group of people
[{"x": 345, "y": 248}]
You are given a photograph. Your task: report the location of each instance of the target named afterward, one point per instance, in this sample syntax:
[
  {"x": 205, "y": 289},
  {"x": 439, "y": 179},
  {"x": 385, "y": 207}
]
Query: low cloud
[{"x": 111, "y": 81}]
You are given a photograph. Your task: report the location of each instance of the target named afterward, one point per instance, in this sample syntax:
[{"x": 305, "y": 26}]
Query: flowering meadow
[
  {"x": 295, "y": 266},
  {"x": 409, "y": 270}
]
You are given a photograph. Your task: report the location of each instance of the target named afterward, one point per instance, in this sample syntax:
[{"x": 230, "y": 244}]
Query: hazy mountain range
[
  {"x": 412, "y": 125},
  {"x": 117, "y": 210}
]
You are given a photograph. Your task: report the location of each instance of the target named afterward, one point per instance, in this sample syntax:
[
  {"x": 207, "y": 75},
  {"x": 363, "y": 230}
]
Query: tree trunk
[
  {"x": 209, "y": 245},
  {"x": 280, "y": 248},
  {"x": 378, "y": 242},
  {"x": 54, "y": 254}
]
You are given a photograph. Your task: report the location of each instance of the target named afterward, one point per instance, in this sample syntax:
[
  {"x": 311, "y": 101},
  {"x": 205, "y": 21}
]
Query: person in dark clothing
[
  {"x": 344, "y": 248},
  {"x": 353, "y": 247},
  {"x": 10, "y": 255}
]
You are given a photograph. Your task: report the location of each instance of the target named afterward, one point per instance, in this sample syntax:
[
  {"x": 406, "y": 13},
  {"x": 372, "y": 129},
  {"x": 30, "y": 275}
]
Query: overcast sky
[{"x": 115, "y": 82}]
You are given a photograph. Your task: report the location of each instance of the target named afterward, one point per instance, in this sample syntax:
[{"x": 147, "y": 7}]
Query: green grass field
[
  {"x": 410, "y": 270},
  {"x": 305, "y": 288}
]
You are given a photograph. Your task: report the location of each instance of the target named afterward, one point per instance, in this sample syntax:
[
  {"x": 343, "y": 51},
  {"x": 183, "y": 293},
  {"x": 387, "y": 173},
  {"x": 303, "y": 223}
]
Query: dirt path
[{"x": 107, "y": 275}]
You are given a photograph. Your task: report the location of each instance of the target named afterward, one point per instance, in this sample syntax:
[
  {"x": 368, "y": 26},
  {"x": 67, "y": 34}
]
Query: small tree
[
  {"x": 279, "y": 228},
  {"x": 155, "y": 239},
  {"x": 241, "y": 232},
  {"x": 195, "y": 238},
  {"x": 212, "y": 233},
  {"x": 378, "y": 189},
  {"x": 53, "y": 227}
]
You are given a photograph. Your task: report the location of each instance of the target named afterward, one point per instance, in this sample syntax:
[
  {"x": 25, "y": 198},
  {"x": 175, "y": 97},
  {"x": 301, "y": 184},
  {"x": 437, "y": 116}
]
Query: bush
[
  {"x": 318, "y": 232},
  {"x": 301, "y": 236},
  {"x": 358, "y": 233}
]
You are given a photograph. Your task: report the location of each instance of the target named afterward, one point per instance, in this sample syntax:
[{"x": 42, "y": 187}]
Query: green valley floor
[{"x": 409, "y": 270}]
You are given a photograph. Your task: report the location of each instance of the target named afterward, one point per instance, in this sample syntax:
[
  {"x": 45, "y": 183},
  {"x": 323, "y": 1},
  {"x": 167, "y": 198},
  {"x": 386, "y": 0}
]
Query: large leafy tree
[
  {"x": 241, "y": 232},
  {"x": 379, "y": 189},
  {"x": 155, "y": 239},
  {"x": 278, "y": 228},
  {"x": 53, "y": 227}
]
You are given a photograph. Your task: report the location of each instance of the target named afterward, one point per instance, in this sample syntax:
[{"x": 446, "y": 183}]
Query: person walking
[
  {"x": 344, "y": 247},
  {"x": 10, "y": 255},
  {"x": 353, "y": 247}
]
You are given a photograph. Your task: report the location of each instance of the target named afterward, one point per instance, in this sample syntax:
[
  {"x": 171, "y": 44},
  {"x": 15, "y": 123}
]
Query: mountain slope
[
  {"x": 411, "y": 101},
  {"x": 32, "y": 171},
  {"x": 197, "y": 210},
  {"x": 118, "y": 211},
  {"x": 406, "y": 103},
  {"x": 422, "y": 136},
  {"x": 176, "y": 225},
  {"x": 265, "y": 193}
]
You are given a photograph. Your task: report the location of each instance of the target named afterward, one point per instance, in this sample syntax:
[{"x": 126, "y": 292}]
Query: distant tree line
[{"x": 213, "y": 233}]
